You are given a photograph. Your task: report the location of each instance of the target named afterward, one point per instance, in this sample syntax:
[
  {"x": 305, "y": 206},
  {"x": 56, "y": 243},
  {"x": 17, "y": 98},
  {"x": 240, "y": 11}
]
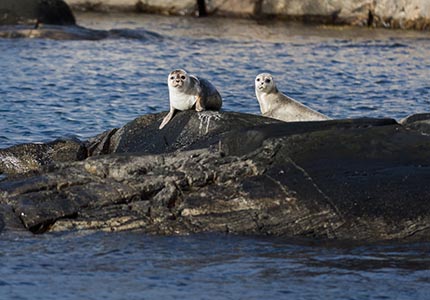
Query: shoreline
[{"x": 395, "y": 14}]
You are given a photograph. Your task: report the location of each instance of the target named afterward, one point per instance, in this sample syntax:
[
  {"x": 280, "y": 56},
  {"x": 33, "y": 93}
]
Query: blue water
[
  {"x": 135, "y": 266},
  {"x": 51, "y": 89}
]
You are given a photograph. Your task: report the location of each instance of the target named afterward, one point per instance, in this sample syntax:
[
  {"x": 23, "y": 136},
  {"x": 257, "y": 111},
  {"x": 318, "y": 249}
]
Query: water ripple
[
  {"x": 207, "y": 266},
  {"x": 86, "y": 87}
]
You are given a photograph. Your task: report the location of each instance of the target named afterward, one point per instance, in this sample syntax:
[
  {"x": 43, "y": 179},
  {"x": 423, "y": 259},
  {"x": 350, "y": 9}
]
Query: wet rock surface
[
  {"x": 25, "y": 158},
  {"x": 418, "y": 122},
  {"x": 363, "y": 179}
]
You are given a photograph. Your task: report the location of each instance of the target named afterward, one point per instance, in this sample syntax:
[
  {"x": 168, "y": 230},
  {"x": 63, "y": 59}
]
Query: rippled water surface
[
  {"x": 135, "y": 266},
  {"x": 51, "y": 89}
]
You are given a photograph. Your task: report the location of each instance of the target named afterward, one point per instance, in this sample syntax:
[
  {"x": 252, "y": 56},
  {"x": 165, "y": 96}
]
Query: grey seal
[
  {"x": 275, "y": 104},
  {"x": 187, "y": 91}
]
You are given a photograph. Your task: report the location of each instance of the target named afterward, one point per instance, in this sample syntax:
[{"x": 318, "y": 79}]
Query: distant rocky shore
[
  {"x": 404, "y": 14},
  {"x": 35, "y": 14}
]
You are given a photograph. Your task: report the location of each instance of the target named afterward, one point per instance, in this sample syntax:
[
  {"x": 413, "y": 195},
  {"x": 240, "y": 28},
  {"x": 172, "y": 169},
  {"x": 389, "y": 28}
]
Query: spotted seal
[
  {"x": 187, "y": 91},
  {"x": 275, "y": 104}
]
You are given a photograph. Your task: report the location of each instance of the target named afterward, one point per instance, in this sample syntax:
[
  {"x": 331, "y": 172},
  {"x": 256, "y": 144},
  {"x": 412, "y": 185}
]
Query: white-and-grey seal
[
  {"x": 275, "y": 104},
  {"x": 187, "y": 91}
]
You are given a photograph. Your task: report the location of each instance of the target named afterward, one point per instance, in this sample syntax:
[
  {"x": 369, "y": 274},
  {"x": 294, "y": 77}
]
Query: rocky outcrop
[
  {"x": 166, "y": 7},
  {"x": 31, "y": 157},
  {"x": 363, "y": 179},
  {"x": 34, "y": 12},
  {"x": 39, "y": 19},
  {"x": 53, "y": 19},
  {"x": 405, "y": 14},
  {"x": 418, "y": 122}
]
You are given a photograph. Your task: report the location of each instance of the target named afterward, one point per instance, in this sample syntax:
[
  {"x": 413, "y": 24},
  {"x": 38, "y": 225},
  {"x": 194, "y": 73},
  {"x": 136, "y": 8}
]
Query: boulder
[
  {"x": 189, "y": 131},
  {"x": 34, "y": 12},
  {"x": 41, "y": 19},
  {"x": 53, "y": 19},
  {"x": 361, "y": 179}
]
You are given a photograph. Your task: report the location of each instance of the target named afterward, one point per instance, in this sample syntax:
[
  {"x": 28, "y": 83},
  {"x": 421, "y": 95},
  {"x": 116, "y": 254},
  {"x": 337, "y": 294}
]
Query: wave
[{"x": 56, "y": 32}]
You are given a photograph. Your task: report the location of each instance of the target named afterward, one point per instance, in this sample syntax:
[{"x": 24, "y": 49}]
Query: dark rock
[
  {"x": 189, "y": 131},
  {"x": 32, "y": 157},
  {"x": 53, "y": 19},
  {"x": 100, "y": 144},
  {"x": 9, "y": 221},
  {"x": 363, "y": 179},
  {"x": 34, "y": 12},
  {"x": 418, "y": 122},
  {"x": 42, "y": 19},
  {"x": 237, "y": 133}
]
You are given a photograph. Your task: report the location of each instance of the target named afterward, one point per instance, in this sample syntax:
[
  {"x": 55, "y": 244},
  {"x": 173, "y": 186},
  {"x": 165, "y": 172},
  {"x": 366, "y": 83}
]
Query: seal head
[
  {"x": 178, "y": 79},
  {"x": 264, "y": 83},
  {"x": 183, "y": 89}
]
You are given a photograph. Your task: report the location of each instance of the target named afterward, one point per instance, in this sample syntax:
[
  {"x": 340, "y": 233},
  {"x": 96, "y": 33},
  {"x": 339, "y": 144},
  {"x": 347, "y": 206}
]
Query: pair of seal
[
  {"x": 275, "y": 104},
  {"x": 187, "y": 91}
]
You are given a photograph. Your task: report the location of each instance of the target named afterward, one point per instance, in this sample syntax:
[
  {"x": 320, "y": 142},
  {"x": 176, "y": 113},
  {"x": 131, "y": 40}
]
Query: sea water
[{"x": 51, "y": 89}]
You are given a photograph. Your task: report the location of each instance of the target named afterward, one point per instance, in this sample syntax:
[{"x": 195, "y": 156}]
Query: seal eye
[
  {"x": 172, "y": 77},
  {"x": 267, "y": 80},
  {"x": 258, "y": 79},
  {"x": 183, "y": 77}
]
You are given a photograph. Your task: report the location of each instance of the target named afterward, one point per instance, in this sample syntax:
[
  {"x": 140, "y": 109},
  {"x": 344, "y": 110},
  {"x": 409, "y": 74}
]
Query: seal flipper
[
  {"x": 199, "y": 104},
  {"x": 167, "y": 118}
]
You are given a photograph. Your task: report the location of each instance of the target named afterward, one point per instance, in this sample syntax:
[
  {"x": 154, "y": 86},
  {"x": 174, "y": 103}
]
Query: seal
[
  {"x": 187, "y": 91},
  {"x": 276, "y": 105}
]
